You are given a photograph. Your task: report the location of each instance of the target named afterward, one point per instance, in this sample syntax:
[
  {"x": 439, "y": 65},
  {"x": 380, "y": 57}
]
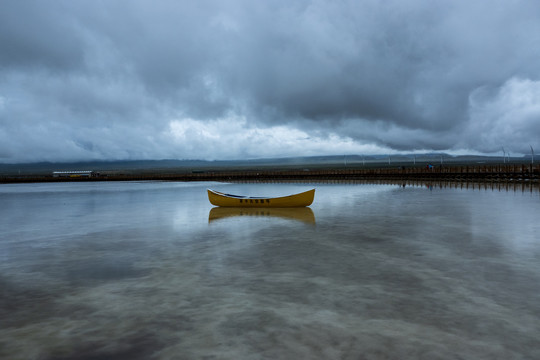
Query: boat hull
[{"x": 227, "y": 200}]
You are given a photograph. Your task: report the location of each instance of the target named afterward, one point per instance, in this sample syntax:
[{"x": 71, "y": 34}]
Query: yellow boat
[{"x": 297, "y": 200}]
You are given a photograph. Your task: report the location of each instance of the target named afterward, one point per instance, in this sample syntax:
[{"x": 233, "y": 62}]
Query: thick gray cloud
[{"x": 140, "y": 79}]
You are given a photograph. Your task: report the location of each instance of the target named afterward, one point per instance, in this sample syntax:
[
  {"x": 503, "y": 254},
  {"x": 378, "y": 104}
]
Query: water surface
[{"x": 147, "y": 270}]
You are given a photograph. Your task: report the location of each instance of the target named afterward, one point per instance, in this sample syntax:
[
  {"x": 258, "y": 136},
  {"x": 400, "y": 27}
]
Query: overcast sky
[{"x": 219, "y": 79}]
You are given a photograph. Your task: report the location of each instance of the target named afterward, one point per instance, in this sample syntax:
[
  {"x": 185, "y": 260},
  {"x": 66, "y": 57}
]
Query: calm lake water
[{"x": 147, "y": 270}]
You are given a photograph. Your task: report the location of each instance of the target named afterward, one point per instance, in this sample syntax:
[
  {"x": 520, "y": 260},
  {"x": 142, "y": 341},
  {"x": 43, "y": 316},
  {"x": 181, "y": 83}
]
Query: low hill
[{"x": 313, "y": 162}]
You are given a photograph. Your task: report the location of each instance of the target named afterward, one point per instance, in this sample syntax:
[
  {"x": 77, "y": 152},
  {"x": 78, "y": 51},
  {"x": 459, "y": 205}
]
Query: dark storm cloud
[
  {"x": 411, "y": 64},
  {"x": 110, "y": 79},
  {"x": 32, "y": 34}
]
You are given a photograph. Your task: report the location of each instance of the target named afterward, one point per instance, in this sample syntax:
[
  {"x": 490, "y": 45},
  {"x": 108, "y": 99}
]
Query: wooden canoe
[{"x": 297, "y": 200}]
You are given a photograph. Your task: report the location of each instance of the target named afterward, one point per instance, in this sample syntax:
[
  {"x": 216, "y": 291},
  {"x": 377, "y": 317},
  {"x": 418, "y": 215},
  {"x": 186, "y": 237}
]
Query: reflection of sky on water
[{"x": 135, "y": 270}]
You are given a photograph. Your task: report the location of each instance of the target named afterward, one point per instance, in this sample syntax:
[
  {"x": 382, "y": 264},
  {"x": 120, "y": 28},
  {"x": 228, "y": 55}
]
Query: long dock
[{"x": 512, "y": 173}]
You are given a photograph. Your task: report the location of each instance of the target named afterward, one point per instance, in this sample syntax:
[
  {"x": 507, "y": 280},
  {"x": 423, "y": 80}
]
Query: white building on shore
[{"x": 73, "y": 173}]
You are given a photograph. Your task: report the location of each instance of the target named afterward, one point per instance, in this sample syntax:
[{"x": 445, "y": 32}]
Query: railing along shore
[{"x": 486, "y": 173}]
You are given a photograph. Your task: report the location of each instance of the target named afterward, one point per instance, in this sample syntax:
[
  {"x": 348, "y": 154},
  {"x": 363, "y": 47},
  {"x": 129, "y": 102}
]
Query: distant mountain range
[{"x": 338, "y": 161}]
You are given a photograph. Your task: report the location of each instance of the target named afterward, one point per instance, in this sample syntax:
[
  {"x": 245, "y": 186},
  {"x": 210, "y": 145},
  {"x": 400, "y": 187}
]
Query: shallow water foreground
[{"x": 148, "y": 271}]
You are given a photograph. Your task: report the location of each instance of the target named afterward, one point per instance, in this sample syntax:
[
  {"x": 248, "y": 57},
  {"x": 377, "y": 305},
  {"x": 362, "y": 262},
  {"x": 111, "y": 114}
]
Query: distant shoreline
[{"x": 513, "y": 173}]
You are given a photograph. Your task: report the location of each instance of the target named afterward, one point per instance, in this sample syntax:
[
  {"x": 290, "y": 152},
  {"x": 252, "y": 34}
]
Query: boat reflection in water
[{"x": 303, "y": 214}]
